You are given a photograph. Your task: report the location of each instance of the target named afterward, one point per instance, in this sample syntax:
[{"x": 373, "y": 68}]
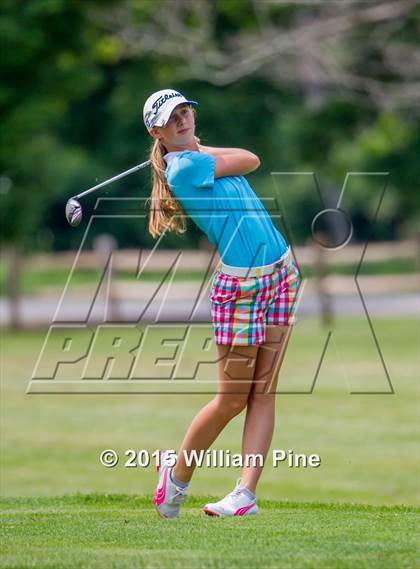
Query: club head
[{"x": 73, "y": 212}]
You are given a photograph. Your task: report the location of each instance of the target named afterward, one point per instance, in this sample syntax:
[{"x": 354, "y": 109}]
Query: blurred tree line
[{"x": 322, "y": 87}]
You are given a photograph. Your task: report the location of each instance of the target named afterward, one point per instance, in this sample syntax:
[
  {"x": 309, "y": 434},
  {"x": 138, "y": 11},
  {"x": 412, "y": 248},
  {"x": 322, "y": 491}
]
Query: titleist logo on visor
[{"x": 162, "y": 99}]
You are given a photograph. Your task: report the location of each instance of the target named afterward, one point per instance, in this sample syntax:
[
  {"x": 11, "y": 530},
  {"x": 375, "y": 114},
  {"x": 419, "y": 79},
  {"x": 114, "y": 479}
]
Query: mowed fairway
[
  {"x": 125, "y": 532},
  {"x": 61, "y": 508}
]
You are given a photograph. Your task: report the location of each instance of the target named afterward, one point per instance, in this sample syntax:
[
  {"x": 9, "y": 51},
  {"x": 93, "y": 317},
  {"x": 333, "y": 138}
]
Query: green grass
[
  {"x": 331, "y": 516},
  {"x": 368, "y": 443},
  {"x": 37, "y": 280},
  {"x": 55, "y": 279},
  {"x": 121, "y": 531}
]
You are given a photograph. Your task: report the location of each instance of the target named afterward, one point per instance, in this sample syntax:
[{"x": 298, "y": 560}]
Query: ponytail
[{"x": 165, "y": 211}]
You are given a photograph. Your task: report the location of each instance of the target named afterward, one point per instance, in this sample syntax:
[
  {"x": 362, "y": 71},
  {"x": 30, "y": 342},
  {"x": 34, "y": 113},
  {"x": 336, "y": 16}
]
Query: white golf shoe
[
  {"x": 237, "y": 503},
  {"x": 168, "y": 496}
]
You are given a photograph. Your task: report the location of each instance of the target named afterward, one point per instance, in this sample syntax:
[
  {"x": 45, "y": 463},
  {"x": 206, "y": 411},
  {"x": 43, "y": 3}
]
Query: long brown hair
[{"x": 165, "y": 211}]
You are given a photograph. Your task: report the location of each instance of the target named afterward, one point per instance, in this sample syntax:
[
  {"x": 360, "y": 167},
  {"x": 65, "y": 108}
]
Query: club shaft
[{"x": 114, "y": 179}]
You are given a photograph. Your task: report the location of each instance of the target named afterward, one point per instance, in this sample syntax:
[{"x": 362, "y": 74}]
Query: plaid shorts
[{"x": 241, "y": 307}]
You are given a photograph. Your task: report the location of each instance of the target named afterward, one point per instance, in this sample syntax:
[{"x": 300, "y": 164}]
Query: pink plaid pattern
[{"x": 241, "y": 307}]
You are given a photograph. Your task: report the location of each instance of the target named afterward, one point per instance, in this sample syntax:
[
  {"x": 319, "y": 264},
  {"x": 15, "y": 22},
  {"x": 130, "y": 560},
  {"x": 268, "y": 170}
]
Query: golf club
[{"x": 73, "y": 207}]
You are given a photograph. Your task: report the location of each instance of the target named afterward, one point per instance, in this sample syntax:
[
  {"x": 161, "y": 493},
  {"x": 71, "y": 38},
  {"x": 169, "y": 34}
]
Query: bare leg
[
  {"x": 236, "y": 366},
  {"x": 260, "y": 416}
]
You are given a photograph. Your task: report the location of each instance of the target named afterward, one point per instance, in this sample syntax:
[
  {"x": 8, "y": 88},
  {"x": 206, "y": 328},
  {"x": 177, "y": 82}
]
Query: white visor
[{"x": 158, "y": 108}]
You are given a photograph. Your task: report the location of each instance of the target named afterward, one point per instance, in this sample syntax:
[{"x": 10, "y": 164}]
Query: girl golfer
[{"x": 252, "y": 297}]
